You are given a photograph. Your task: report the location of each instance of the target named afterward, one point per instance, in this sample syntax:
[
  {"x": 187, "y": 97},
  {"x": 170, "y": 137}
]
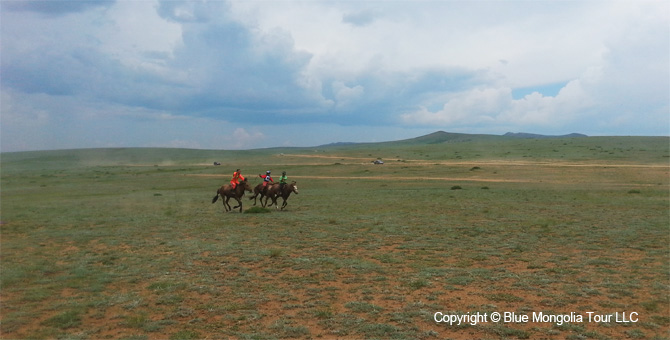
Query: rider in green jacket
[{"x": 282, "y": 180}]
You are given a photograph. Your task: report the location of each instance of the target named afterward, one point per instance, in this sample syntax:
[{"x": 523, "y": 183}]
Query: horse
[
  {"x": 275, "y": 191},
  {"x": 259, "y": 190},
  {"x": 226, "y": 191}
]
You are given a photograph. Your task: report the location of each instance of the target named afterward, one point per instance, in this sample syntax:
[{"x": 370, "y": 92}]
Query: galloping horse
[
  {"x": 274, "y": 191},
  {"x": 226, "y": 192},
  {"x": 258, "y": 190}
]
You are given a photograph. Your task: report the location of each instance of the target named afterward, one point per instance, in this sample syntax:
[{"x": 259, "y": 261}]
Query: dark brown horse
[
  {"x": 276, "y": 191},
  {"x": 260, "y": 190},
  {"x": 226, "y": 192}
]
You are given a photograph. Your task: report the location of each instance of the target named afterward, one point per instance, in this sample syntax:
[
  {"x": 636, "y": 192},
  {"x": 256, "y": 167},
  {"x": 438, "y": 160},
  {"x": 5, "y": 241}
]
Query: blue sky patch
[{"x": 547, "y": 90}]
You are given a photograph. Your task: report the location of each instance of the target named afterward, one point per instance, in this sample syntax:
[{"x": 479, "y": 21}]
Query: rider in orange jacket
[{"x": 237, "y": 177}]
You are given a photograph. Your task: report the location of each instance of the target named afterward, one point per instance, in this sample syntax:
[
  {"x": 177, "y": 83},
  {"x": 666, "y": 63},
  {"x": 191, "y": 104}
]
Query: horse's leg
[
  {"x": 263, "y": 193},
  {"x": 267, "y": 197},
  {"x": 240, "y": 204},
  {"x": 223, "y": 201},
  {"x": 226, "y": 205},
  {"x": 285, "y": 197}
]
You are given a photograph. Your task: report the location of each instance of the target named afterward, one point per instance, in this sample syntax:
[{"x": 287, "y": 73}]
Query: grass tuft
[
  {"x": 64, "y": 320},
  {"x": 257, "y": 210},
  {"x": 418, "y": 284},
  {"x": 185, "y": 335}
]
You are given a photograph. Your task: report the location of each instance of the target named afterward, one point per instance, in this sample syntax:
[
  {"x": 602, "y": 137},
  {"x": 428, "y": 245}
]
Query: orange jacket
[{"x": 237, "y": 177}]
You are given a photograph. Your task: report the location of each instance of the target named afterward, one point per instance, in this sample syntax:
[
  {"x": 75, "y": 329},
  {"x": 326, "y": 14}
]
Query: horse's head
[
  {"x": 294, "y": 187},
  {"x": 245, "y": 186}
]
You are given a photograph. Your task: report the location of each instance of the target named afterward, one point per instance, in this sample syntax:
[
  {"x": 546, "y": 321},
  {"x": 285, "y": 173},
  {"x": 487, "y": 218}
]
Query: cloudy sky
[{"x": 250, "y": 74}]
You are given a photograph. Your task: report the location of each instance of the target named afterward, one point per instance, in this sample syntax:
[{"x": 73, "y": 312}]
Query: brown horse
[
  {"x": 226, "y": 192},
  {"x": 260, "y": 190},
  {"x": 276, "y": 191}
]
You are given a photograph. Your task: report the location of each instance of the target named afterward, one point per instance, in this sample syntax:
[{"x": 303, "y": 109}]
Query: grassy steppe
[{"x": 125, "y": 243}]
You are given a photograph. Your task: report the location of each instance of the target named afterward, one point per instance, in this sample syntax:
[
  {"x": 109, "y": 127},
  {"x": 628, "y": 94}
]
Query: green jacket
[{"x": 283, "y": 179}]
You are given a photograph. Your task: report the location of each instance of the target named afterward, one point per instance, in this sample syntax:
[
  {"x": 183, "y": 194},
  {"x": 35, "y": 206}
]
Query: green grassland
[{"x": 125, "y": 243}]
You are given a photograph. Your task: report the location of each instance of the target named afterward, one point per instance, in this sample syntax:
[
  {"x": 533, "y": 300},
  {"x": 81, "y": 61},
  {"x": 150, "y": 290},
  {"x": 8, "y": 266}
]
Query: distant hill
[
  {"x": 439, "y": 145},
  {"x": 442, "y": 137},
  {"x": 433, "y": 138},
  {"x": 536, "y": 136},
  {"x": 439, "y": 137},
  {"x": 337, "y": 144}
]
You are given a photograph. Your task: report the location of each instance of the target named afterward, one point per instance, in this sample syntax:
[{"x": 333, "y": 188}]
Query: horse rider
[
  {"x": 282, "y": 181},
  {"x": 237, "y": 177},
  {"x": 267, "y": 178}
]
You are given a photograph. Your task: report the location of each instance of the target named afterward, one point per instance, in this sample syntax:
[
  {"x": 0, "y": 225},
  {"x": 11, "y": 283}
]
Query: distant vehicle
[
  {"x": 217, "y": 163},
  {"x": 378, "y": 162}
]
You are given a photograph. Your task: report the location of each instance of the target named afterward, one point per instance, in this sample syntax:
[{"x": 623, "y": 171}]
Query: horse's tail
[{"x": 215, "y": 197}]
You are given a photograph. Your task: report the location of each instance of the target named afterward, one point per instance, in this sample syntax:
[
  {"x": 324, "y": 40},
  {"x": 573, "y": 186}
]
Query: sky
[{"x": 255, "y": 74}]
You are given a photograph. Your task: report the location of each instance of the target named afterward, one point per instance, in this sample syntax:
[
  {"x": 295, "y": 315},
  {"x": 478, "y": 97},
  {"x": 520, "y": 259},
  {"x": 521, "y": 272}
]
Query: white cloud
[
  {"x": 497, "y": 107},
  {"x": 344, "y": 94},
  {"x": 629, "y": 78},
  {"x": 464, "y": 108},
  {"x": 242, "y": 138},
  {"x": 539, "y": 44},
  {"x": 135, "y": 34}
]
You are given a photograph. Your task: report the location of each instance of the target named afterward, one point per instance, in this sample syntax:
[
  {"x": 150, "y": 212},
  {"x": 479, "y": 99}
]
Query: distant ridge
[
  {"x": 338, "y": 144},
  {"x": 443, "y": 137},
  {"x": 439, "y": 137},
  {"x": 536, "y": 136},
  {"x": 433, "y": 138}
]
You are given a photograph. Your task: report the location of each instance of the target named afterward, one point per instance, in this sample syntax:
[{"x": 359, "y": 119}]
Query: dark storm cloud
[
  {"x": 221, "y": 68},
  {"x": 228, "y": 67},
  {"x": 86, "y": 72}
]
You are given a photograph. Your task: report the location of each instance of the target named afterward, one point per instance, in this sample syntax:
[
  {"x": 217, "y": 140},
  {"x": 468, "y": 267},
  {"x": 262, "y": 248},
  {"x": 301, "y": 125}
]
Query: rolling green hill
[
  {"x": 435, "y": 146},
  {"x": 456, "y": 146}
]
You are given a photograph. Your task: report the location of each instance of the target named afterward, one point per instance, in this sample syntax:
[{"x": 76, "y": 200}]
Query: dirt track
[
  {"x": 553, "y": 163},
  {"x": 393, "y": 162},
  {"x": 554, "y": 170}
]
